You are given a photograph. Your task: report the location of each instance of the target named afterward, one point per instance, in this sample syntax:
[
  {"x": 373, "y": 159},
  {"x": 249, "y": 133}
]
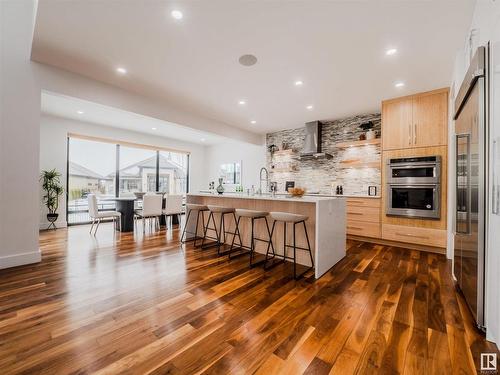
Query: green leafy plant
[{"x": 51, "y": 184}]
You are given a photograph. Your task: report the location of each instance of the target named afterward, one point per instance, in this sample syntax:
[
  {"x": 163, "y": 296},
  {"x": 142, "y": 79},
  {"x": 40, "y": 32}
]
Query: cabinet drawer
[
  {"x": 363, "y": 202},
  {"x": 421, "y": 236},
  {"x": 361, "y": 213},
  {"x": 363, "y": 228}
]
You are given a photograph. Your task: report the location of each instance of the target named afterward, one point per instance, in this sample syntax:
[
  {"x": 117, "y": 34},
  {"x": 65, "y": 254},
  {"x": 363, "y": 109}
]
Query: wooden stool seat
[
  {"x": 221, "y": 209},
  {"x": 250, "y": 213},
  {"x": 287, "y": 217},
  {"x": 196, "y": 207}
]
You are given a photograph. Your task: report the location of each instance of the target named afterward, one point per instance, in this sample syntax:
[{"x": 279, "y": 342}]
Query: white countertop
[
  {"x": 286, "y": 198},
  {"x": 230, "y": 194}
]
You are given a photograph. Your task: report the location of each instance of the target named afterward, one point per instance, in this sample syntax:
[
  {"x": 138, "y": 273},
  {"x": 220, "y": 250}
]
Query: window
[
  {"x": 91, "y": 170},
  {"x": 95, "y": 167},
  {"x": 231, "y": 173},
  {"x": 173, "y": 172},
  {"x": 137, "y": 170}
]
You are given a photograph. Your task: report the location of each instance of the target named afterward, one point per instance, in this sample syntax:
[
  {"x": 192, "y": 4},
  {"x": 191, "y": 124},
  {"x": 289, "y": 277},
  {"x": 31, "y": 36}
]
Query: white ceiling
[
  {"x": 337, "y": 48},
  {"x": 68, "y": 107}
]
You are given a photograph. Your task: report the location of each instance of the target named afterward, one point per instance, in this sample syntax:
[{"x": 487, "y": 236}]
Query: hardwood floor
[{"x": 121, "y": 304}]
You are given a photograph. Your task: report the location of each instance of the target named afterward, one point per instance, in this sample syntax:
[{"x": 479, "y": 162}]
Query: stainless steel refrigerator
[{"x": 471, "y": 128}]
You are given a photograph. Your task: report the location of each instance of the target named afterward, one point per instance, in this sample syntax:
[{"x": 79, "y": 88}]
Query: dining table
[{"x": 126, "y": 207}]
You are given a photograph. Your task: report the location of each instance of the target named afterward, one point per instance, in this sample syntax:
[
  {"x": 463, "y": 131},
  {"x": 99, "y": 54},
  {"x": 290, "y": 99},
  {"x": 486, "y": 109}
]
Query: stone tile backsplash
[{"x": 324, "y": 174}]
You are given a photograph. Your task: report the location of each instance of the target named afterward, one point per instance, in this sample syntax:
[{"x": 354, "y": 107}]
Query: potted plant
[{"x": 51, "y": 184}]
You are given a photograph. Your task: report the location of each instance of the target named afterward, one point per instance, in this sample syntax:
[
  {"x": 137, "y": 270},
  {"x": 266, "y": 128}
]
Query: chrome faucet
[{"x": 266, "y": 179}]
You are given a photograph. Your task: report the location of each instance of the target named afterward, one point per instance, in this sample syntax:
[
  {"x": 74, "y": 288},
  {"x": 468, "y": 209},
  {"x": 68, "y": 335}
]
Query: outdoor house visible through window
[
  {"x": 231, "y": 173},
  {"x": 112, "y": 169}
]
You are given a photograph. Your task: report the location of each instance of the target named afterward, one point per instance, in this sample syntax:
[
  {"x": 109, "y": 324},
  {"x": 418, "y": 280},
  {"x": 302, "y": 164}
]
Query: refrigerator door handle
[{"x": 463, "y": 184}]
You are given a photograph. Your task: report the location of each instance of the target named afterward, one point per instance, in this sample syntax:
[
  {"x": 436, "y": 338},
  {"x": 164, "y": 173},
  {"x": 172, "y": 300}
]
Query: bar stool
[
  {"x": 220, "y": 235},
  {"x": 285, "y": 218},
  {"x": 252, "y": 215},
  {"x": 200, "y": 209}
]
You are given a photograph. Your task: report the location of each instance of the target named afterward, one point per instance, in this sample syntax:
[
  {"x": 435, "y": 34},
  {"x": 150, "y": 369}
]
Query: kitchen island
[{"x": 326, "y": 225}]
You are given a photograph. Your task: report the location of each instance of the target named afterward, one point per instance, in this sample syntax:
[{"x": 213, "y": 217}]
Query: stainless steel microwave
[
  {"x": 414, "y": 187},
  {"x": 416, "y": 170}
]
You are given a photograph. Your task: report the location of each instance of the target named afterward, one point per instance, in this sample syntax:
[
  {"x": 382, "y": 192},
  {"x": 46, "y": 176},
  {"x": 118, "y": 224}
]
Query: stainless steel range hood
[{"x": 312, "y": 142}]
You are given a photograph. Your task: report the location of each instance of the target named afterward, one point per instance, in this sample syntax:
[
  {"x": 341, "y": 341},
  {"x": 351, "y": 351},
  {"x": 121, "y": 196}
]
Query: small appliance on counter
[
  {"x": 372, "y": 191},
  {"x": 289, "y": 184}
]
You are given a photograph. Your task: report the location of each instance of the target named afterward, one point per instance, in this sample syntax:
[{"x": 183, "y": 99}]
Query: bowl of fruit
[{"x": 296, "y": 192}]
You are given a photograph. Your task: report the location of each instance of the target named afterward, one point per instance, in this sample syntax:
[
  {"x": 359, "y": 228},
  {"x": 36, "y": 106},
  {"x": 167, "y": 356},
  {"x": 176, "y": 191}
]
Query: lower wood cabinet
[
  {"x": 363, "y": 228},
  {"x": 416, "y": 235},
  {"x": 363, "y": 217}
]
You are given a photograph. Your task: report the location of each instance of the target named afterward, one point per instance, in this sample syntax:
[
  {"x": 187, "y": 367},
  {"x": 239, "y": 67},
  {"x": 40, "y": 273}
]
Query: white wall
[
  {"x": 486, "y": 26},
  {"x": 252, "y": 158},
  {"x": 53, "y": 152},
  {"x": 19, "y": 136}
]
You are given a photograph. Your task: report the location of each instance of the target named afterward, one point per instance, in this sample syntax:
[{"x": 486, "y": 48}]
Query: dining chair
[
  {"x": 173, "y": 206},
  {"x": 151, "y": 209},
  {"x": 97, "y": 216}
]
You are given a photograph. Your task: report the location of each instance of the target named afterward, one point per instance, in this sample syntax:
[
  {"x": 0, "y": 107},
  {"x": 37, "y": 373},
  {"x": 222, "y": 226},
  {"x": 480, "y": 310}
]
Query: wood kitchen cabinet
[
  {"x": 363, "y": 217},
  {"x": 396, "y": 124},
  {"x": 419, "y": 120}
]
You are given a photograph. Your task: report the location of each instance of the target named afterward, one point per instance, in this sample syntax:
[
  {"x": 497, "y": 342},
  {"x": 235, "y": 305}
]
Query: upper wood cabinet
[
  {"x": 419, "y": 120},
  {"x": 396, "y": 124}
]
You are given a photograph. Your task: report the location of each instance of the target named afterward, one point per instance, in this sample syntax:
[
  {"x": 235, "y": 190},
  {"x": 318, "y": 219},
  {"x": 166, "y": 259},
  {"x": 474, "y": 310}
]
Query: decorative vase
[
  {"x": 370, "y": 134},
  {"x": 220, "y": 188}
]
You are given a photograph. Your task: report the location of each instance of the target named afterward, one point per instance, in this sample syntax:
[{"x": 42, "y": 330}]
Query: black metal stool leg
[
  {"x": 308, "y": 244},
  {"x": 270, "y": 245},
  {"x": 252, "y": 243},
  {"x": 284, "y": 240},
  {"x": 294, "y": 253},
  {"x": 221, "y": 232},
  {"x": 196, "y": 228},
  {"x": 270, "y": 237},
  {"x": 237, "y": 231},
  {"x": 210, "y": 216},
  {"x": 185, "y": 226}
]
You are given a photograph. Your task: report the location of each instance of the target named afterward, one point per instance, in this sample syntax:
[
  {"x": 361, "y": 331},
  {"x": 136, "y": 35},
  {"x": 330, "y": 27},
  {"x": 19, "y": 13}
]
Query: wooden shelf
[
  {"x": 288, "y": 152},
  {"x": 375, "y": 141},
  {"x": 360, "y": 164},
  {"x": 280, "y": 170}
]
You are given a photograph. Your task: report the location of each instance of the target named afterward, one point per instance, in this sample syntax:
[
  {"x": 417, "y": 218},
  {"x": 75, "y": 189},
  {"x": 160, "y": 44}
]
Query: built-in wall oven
[{"x": 414, "y": 187}]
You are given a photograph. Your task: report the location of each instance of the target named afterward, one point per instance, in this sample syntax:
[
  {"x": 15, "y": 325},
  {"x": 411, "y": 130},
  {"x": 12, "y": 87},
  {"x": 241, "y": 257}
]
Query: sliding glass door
[
  {"x": 112, "y": 170},
  {"x": 137, "y": 172},
  {"x": 91, "y": 170}
]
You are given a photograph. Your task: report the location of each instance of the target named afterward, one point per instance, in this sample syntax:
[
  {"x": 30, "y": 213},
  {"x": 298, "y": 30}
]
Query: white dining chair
[
  {"x": 151, "y": 210},
  {"x": 173, "y": 206},
  {"x": 97, "y": 216}
]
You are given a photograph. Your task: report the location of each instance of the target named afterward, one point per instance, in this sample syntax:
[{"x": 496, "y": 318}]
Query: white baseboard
[{"x": 20, "y": 259}]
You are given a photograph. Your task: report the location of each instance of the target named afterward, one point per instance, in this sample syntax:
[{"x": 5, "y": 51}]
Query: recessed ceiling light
[
  {"x": 253, "y": 122},
  {"x": 177, "y": 14},
  {"x": 202, "y": 139},
  {"x": 121, "y": 70},
  {"x": 153, "y": 128},
  {"x": 247, "y": 60},
  {"x": 309, "y": 107},
  {"x": 399, "y": 84},
  {"x": 242, "y": 102},
  {"x": 391, "y": 51},
  {"x": 299, "y": 83},
  {"x": 79, "y": 112}
]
